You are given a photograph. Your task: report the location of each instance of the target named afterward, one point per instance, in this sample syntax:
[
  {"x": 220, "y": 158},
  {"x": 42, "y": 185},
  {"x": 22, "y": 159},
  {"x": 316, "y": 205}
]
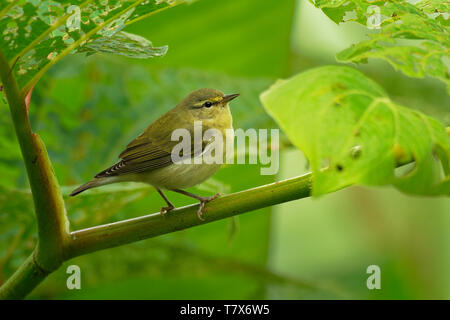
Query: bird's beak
[{"x": 229, "y": 97}]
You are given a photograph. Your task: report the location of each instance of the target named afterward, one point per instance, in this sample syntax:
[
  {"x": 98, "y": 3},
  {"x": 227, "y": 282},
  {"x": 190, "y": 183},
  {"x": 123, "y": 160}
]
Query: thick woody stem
[{"x": 48, "y": 201}]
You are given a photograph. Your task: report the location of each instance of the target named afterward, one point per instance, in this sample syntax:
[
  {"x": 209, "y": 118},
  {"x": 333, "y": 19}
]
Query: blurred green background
[{"x": 88, "y": 108}]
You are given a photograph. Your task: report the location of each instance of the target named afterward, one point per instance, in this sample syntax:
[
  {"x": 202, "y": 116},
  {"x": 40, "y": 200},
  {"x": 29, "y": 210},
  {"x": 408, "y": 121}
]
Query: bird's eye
[{"x": 207, "y": 104}]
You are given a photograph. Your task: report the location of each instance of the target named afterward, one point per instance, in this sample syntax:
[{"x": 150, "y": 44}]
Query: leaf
[
  {"x": 125, "y": 44},
  {"x": 40, "y": 32},
  {"x": 413, "y": 38},
  {"x": 223, "y": 36},
  {"x": 353, "y": 133}
]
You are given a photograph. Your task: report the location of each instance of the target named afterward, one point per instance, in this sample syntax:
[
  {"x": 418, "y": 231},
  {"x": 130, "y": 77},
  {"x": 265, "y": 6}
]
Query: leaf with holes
[
  {"x": 125, "y": 44},
  {"x": 413, "y": 38},
  {"x": 353, "y": 133},
  {"x": 38, "y": 33}
]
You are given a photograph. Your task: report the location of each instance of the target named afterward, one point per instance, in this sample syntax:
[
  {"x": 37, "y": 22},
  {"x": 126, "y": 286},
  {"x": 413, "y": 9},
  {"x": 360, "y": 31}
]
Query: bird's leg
[
  {"x": 203, "y": 200},
  {"x": 169, "y": 207}
]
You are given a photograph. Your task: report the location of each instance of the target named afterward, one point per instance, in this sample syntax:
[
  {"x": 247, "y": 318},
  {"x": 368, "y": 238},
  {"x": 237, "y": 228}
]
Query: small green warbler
[{"x": 148, "y": 157}]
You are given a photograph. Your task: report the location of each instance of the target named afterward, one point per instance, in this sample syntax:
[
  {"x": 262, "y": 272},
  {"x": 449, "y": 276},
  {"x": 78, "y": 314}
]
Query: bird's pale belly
[
  {"x": 181, "y": 175},
  {"x": 178, "y": 176}
]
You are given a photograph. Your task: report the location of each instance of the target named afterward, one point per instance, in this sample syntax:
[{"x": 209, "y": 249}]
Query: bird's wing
[
  {"x": 143, "y": 155},
  {"x": 137, "y": 158}
]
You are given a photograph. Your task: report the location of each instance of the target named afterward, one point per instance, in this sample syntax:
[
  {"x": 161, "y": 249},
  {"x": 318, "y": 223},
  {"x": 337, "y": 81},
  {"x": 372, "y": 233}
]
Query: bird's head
[{"x": 207, "y": 104}]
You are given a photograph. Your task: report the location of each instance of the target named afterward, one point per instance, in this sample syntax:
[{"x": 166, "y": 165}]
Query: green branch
[
  {"x": 119, "y": 233},
  {"x": 48, "y": 201},
  {"x": 25, "y": 279},
  {"x": 81, "y": 242}
]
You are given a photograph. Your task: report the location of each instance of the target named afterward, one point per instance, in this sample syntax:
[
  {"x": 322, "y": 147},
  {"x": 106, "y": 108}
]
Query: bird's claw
[
  {"x": 203, "y": 201},
  {"x": 164, "y": 210}
]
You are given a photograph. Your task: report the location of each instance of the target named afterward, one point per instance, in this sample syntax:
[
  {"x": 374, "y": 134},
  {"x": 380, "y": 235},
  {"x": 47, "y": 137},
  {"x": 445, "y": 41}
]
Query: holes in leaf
[
  {"x": 442, "y": 160},
  {"x": 339, "y": 167},
  {"x": 405, "y": 171},
  {"x": 355, "y": 151},
  {"x": 15, "y": 12},
  {"x": 52, "y": 55},
  {"x": 324, "y": 163},
  {"x": 349, "y": 16},
  {"x": 405, "y": 162},
  {"x": 11, "y": 28}
]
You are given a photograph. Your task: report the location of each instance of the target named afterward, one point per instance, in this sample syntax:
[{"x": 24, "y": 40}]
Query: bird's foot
[
  {"x": 203, "y": 201},
  {"x": 164, "y": 210}
]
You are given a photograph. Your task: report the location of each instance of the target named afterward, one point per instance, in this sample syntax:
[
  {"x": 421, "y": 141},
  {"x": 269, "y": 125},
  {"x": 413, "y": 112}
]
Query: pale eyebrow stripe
[{"x": 213, "y": 101}]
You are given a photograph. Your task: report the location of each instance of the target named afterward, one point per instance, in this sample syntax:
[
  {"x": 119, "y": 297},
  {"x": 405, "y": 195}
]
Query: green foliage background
[{"x": 88, "y": 109}]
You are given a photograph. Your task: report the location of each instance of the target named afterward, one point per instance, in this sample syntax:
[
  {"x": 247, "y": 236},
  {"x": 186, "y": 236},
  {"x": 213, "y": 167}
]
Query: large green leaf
[
  {"x": 38, "y": 33},
  {"x": 424, "y": 25},
  {"x": 240, "y": 38},
  {"x": 352, "y": 132}
]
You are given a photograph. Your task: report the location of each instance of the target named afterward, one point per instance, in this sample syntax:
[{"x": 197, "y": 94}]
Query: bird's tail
[{"x": 97, "y": 182}]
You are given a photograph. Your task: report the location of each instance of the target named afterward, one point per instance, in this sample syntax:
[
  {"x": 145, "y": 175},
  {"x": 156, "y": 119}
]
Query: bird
[{"x": 148, "y": 157}]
